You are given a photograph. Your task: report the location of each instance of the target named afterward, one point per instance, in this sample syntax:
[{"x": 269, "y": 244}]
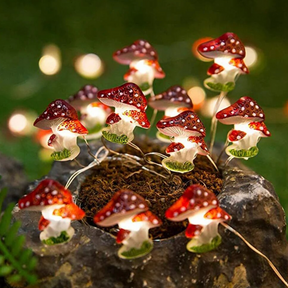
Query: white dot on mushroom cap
[
  {"x": 130, "y": 91},
  {"x": 217, "y": 71},
  {"x": 141, "y": 206},
  {"x": 48, "y": 117},
  {"x": 132, "y": 206},
  {"x": 226, "y": 51},
  {"x": 201, "y": 130},
  {"x": 205, "y": 203},
  {"x": 214, "y": 202},
  {"x": 218, "y": 215},
  {"x": 136, "y": 52},
  {"x": 108, "y": 213},
  {"x": 178, "y": 89},
  {"x": 141, "y": 42},
  {"x": 22, "y": 204},
  {"x": 232, "y": 112},
  {"x": 125, "y": 50},
  {"x": 197, "y": 208},
  {"x": 241, "y": 52},
  {"x": 194, "y": 127},
  {"x": 182, "y": 209},
  {"x": 261, "y": 128},
  {"x": 243, "y": 108},
  {"x": 225, "y": 115},
  {"x": 133, "y": 46},
  {"x": 222, "y": 43},
  {"x": 175, "y": 214},
  {"x": 147, "y": 45},
  {"x": 144, "y": 50},
  {"x": 196, "y": 232},
  {"x": 199, "y": 192},
  {"x": 233, "y": 50},
  {"x": 205, "y": 49},
  {"x": 152, "y": 53},
  {"x": 101, "y": 217},
  {"x": 46, "y": 189},
  {"x": 52, "y": 105},
  {"x": 226, "y": 217},
  {"x": 205, "y": 193},
  {"x": 238, "y": 137},
  {"x": 50, "y": 201},
  {"x": 257, "y": 107},
  {"x": 268, "y": 132},
  {"x": 232, "y": 40},
  {"x": 192, "y": 201},
  {"x": 155, "y": 221},
  {"x": 237, "y": 42},
  {"x": 261, "y": 115},
  {"x": 123, "y": 211},
  {"x": 58, "y": 106},
  {"x": 254, "y": 114},
  {"x": 133, "y": 198},
  {"x": 27, "y": 203},
  {"x": 240, "y": 65},
  {"x": 125, "y": 196},
  {"x": 45, "y": 112},
  {"x": 212, "y": 47},
  {"x": 117, "y": 204},
  {"x": 54, "y": 192},
  {"x": 42, "y": 203},
  {"x": 37, "y": 196},
  {"x": 183, "y": 120},
  {"x": 171, "y": 122},
  {"x": 246, "y": 116},
  {"x": 198, "y": 120}
]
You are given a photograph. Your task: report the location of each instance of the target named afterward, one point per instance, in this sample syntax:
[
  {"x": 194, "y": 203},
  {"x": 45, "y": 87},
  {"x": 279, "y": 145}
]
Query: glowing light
[
  {"x": 197, "y": 95},
  {"x": 89, "y": 66},
  {"x": 251, "y": 56},
  {"x": 196, "y": 53},
  {"x": 50, "y": 62},
  {"x": 21, "y": 123},
  {"x": 207, "y": 109}
]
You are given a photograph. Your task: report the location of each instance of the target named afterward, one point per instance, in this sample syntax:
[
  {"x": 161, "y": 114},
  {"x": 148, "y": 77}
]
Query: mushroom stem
[
  {"x": 221, "y": 96},
  {"x": 257, "y": 251}
]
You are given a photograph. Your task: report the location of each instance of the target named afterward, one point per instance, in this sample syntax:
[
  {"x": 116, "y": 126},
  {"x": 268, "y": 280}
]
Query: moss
[
  {"x": 218, "y": 87},
  {"x": 178, "y": 166},
  {"x": 216, "y": 241},
  {"x": 145, "y": 248},
  {"x": 60, "y": 155},
  {"x": 123, "y": 139},
  {"x": 63, "y": 237},
  {"x": 253, "y": 151}
]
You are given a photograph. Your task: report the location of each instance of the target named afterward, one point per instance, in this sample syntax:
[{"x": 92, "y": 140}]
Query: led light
[
  {"x": 251, "y": 56},
  {"x": 197, "y": 95},
  {"x": 50, "y": 62},
  {"x": 89, "y": 66},
  {"x": 21, "y": 123},
  {"x": 207, "y": 109}
]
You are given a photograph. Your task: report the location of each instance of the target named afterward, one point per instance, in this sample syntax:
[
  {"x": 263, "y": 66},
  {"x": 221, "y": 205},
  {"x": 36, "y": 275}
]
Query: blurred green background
[{"x": 101, "y": 27}]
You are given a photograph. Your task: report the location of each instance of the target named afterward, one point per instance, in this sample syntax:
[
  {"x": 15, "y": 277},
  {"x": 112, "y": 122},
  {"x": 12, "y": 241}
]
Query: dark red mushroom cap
[
  {"x": 86, "y": 95},
  {"x": 48, "y": 192},
  {"x": 122, "y": 235},
  {"x": 244, "y": 110},
  {"x": 215, "y": 69},
  {"x": 139, "y": 118},
  {"x": 56, "y": 111},
  {"x": 124, "y": 204},
  {"x": 227, "y": 44},
  {"x": 158, "y": 71},
  {"x": 236, "y": 135},
  {"x": 186, "y": 123},
  {"x": 43, "y": 223},
  {"x": 218, "y": 213},
  {"x": 73, "y": 126},
  {"x": 113, "y": 118},
  {"x": 194, "y": 198},
  {"x": 174, "y": 147},
  {"x": 202, "y": 146},
  {"x": 149, "y": 217},
  {"x": 140, "y": 49},
  {"x": 71, "y": 211},
  {"x": 240, "y": 64},
  {"x": 193, "y": 230},
  {"x": 260, "y": 126},
  {"x": 129, "y": 73},
  {"x": 127, "y": 96},
  {"x": 175, "y": 96}
]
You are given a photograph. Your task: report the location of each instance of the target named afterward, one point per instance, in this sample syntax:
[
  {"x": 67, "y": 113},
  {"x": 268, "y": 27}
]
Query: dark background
[{"x": 102, "y": 27}]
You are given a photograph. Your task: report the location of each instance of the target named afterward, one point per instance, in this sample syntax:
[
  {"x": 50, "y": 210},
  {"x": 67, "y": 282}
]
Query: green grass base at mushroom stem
[
  {"x": 60, "y": 155},
  {"x": 133, "y": 253},
  {"x": 122, "y": 139},
  {"x": 178, "y": 166},
  {"x": 62, "y": 238},
  {"x": 145, "y": 86},
  {"x": 219, "y": 87},
  {"x": 216, "y": 241},
  {"x": 252, "y": 152}
]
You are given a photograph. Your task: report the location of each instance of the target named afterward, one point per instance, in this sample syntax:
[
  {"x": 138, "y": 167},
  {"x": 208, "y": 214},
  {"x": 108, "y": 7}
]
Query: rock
[{"x": 90, "y": 258}]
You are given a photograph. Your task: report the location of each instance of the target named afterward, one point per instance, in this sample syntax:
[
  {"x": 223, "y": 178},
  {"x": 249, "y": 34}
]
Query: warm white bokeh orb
[
  {"x": 49, "y": 65},
  {"x": 197, "y": 95},
  {"x": 207, "y": 109},
  {"x": 251, "y": 56},
  {"x": 89, "y": 66},
  {"x": 21, "y": 123}
]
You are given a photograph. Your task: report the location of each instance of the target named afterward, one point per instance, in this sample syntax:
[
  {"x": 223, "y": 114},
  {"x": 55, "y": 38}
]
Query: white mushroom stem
[
  {"x": 57, "y": 224},
  {"x": 171, "y": 111}
]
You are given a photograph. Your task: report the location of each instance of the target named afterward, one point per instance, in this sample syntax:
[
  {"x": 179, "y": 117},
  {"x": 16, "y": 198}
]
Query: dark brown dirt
[{"x": 113, "y": 175}]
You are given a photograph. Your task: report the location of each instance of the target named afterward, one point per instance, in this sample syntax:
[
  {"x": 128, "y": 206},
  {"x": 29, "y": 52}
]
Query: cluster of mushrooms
[{"x": 84, "y": 114}]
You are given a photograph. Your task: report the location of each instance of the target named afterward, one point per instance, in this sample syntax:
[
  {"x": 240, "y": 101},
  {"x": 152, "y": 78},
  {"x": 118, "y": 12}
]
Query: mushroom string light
[
  {"x": 62, "y": 119},
  {"x": 129, "y": 211},
  {"x": 247, "y": 117},
  {"x": 130, "y": 106},
  {"x": 58, "y": 210}
]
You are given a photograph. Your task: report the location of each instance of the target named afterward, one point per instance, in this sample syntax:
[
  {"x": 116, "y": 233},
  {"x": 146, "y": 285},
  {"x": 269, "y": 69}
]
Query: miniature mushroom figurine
[
  {"x": 181, "y": 127},
  {"x": 58, "y": 210},
  {"x": 121, "y": 210},
  {"x": 93, "y": 113},
  {"x": 62, "y": 119},
  {"x": 194, "y": 205},
  {"x": 228, "y": 52},
  {"x": 143, "y": 61},
  {"x": 130, "y": 105},
  {"x": 247, "y": 117}
]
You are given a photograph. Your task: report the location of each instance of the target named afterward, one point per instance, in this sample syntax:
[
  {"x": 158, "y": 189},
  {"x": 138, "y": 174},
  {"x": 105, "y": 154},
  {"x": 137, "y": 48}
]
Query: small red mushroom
[{"x": 236, "y": 135}]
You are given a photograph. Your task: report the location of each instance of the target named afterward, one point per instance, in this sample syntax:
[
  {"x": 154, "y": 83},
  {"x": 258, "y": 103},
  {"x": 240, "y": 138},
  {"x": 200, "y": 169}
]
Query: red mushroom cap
[
  {"x": 130, "y": 72},
  {"x": 52, "y": 139},
  {"x": 43, "y": 223},
  {"x": 56, "y": 110},
  {"x": 227, "y": 44},
  {"x": 217, "y": 213},
  {"x": 122, "y": 235},
  {"x": 113, "y": 118},
  {"x": 244, "y": 110},
  {"x": 86, "y": 95},
  {"x": 174, "y": 147},
  {"x": 193, "y": 230},
  {"x": 236, "y": 135},
  {"x": 194, "y": 198},
  {"x": 138, "y": 117},
  {"x": 203, "y": 149},
  {"x": 129, "y": 96},
  {"x": 71, "y": 211},
  {"x": 186, "y": 123},
  {"x": 175, "y": 96},
  {"x": 148, "y": 217},
  {"x": 260, "y": 126},
  {"x": 124, "y": 204},
  {"x": 215, "y": 69},
  {"x": 140, "y": 49},
  {"x": 73, "y": 126},
  {"x": 48, "y": 192},
  {"x": 158, "y": 71},
  {"x": 240, "y": 64}
]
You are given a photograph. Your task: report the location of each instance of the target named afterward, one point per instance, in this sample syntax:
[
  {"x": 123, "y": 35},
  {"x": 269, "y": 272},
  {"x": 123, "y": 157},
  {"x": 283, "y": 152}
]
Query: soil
[{"x": 160, "y": 193}]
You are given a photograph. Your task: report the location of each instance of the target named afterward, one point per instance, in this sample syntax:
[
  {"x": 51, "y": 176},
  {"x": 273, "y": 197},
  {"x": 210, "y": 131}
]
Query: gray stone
[{"x": 90, "y": 258}]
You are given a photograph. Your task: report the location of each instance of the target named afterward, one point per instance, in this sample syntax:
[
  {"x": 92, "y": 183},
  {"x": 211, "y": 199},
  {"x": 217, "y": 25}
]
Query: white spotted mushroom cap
[
  {"x": 244, "y": 110},
  {"x": 194, "y": 198},
  {"x": 140, "y": 49},
  {"x": 149, "y": 218},
  {"x": 218, "y": 214},
  {"x": 261, "y": 127},
  {"x": 74, "y": 126},
  {"x": 124, "y": 204},
  {"x": 48, "y": 192},
  {"x": 56, "y": 112}
]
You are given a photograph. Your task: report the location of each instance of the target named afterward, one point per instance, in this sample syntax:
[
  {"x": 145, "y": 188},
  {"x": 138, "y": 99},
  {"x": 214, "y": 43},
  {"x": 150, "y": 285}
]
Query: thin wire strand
[
  {"x": 257, "y": 251},
  {"x": 222, "y": 151},
  {"x": 213, "y": 163}
]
